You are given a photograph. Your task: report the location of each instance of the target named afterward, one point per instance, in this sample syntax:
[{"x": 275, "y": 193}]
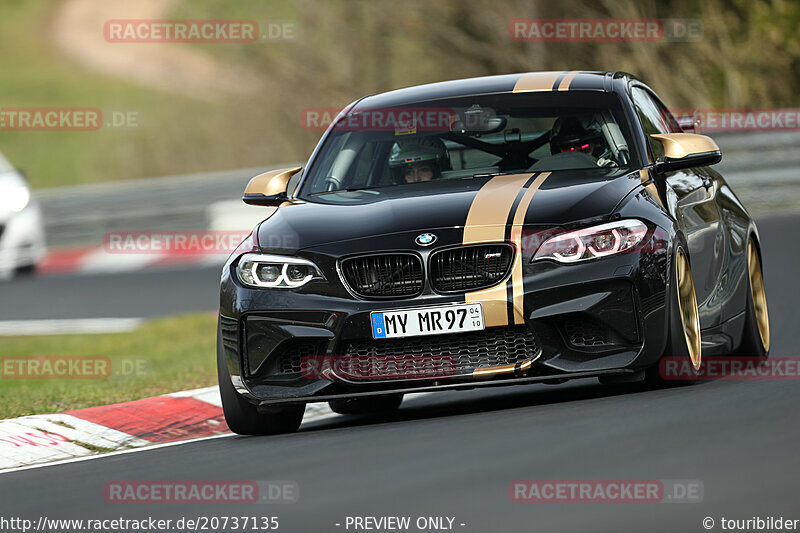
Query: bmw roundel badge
[{"x": 426, "y": 239}]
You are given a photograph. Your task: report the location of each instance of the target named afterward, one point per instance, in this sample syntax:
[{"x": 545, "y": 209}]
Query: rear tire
[
  {"x": 683, "y": 342},
  {"x": 755, "y": 334},
  {"x": 369, "y": 405},
  {"x": 243, "y": 417}
]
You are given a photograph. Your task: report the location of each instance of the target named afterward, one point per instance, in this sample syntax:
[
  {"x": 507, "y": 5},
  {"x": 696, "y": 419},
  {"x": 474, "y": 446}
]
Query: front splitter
[{"x": 445, "y": 387}]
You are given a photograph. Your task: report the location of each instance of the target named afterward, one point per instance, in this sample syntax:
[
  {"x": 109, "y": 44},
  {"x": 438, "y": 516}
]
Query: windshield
[{"x": 464, "y": 138}]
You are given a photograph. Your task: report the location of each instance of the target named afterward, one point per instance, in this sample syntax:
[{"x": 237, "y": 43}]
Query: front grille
[
  {"x": 468, "y": 351},
  {"x": 586, "y": 332},
  {"x": 470, "y": 268},
  {"x": 384, "y": 275}
]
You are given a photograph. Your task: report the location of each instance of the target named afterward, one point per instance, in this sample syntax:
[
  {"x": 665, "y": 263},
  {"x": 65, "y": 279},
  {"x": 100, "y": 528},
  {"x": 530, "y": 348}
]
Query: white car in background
[{"x": 22, "y": 242}]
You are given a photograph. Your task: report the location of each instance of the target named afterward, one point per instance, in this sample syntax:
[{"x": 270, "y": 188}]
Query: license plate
[{"x": 427, "y": 321}]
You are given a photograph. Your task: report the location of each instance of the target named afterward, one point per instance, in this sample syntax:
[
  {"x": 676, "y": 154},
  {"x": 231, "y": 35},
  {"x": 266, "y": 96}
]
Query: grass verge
[
  {"x": 172, "y": 129},
  {"x": 162, "y": 356}
]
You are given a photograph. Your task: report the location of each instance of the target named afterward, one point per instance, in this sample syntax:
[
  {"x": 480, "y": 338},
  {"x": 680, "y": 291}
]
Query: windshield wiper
[{"x": 493, "y": 174}]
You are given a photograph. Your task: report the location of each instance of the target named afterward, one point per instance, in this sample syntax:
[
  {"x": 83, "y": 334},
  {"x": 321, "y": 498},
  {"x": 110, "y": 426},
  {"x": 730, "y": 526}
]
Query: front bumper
[{"x": 602, "y": 317}]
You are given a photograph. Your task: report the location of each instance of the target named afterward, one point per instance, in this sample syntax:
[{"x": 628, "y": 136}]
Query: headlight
[
  {"x": 276, "y": 271},
  {"x": 16, "y": 198},
  {"x": 594, "y": 242}
]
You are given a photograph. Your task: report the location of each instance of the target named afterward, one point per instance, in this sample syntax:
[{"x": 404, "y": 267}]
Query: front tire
[
  {"x": 370, "y": 405},
  {"x": 243, "y": 417},
  {"x": 755, "y": 335},
  {"x": 683, "y": 351}
]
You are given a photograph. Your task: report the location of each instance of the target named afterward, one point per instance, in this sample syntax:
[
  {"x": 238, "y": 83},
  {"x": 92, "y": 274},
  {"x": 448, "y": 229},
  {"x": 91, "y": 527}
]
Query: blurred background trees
[{"x": 748, "y": 57}]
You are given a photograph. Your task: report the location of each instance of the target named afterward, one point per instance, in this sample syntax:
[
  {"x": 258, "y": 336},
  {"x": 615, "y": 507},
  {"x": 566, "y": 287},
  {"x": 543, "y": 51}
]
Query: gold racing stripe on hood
[
  {"x": 518, "y": 288},
  {"x": 487, "y": 221},
  {"x": 488, "y": 214}
]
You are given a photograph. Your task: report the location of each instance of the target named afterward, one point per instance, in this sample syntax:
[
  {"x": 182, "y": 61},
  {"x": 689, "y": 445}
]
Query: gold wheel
[
  {"x": 687, "y": 304},
  {"x": 758, "y": 294}
]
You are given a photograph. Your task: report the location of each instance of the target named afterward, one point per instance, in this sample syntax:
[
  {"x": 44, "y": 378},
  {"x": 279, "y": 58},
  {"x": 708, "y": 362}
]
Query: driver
[
  {"x": 418, "y": 160},
  {"x": 571, "y": 134}
]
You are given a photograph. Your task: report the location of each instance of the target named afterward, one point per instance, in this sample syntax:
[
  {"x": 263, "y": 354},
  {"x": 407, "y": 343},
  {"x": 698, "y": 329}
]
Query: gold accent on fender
[
  {"x": 758, "y": 294},
  {"x": 644, "y": 174},
  {"x": 680, "y": 145},
  {"x": 517, "y": 286},
  {"x": 271, "y": 183},
  {"x": 687, "y": 306},
  {"x": 537, "y": 81},
  {"x": 486, "y": 222},
  {"x": 564, "y": 85}
]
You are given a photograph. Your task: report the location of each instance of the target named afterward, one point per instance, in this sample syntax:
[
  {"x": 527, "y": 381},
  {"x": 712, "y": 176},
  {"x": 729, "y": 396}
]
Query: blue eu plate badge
[{"x": 378, "y": 326}]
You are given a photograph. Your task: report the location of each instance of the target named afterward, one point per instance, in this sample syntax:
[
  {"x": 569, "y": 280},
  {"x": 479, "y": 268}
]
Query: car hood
[{"x": 563, "y": 198}]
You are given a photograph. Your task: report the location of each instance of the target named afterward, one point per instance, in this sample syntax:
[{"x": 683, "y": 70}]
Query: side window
[
  {"x": 655, "y": 118},
  {"x": 362, "y": 166},
  {"x": 293, "y": 181},
  {"x": 369, "y": 168},
  {"x": 326, "y": 160}
]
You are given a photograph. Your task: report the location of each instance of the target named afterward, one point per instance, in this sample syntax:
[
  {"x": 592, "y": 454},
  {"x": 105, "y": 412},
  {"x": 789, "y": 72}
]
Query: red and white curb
[
  {"x": 37, "y": 439},
  {"x": 87, "y": 433},
  {"x": 96, "y": 260}
]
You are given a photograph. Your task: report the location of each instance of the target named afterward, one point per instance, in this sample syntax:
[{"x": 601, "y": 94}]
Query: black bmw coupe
[{"x": 502, "y": 230}]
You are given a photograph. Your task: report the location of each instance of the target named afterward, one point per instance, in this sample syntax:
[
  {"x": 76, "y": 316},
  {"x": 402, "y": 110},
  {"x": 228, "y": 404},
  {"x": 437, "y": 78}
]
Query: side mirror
[
  {"x": 686, "y": 150},
  {"x": 269, "y": 188}
]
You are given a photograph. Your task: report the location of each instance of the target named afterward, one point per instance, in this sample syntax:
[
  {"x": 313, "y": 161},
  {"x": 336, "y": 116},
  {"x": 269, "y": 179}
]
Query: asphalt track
[
  {"x": 139, "y": 294},
  {"x": 456, "y": 453}
]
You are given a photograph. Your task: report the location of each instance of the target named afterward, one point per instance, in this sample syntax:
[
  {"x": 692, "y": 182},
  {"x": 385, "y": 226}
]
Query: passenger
[{"x": 417, "y": 161}]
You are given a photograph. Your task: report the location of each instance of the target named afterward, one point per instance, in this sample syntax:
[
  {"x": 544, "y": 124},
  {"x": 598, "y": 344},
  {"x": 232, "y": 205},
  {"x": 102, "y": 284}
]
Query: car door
[{"x": 698, "y": 215}]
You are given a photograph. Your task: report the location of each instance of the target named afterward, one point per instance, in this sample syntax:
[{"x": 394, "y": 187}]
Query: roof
[{"x": 507, "y": 83}]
